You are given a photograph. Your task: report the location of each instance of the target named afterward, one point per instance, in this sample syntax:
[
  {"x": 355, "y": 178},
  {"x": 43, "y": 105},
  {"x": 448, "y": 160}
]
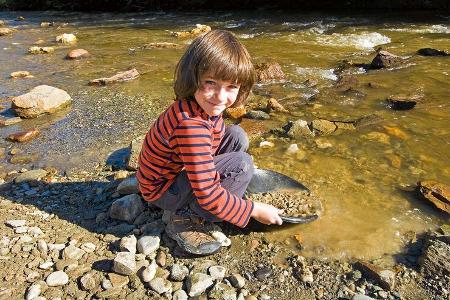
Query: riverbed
[{"x": 363, "y": 177}]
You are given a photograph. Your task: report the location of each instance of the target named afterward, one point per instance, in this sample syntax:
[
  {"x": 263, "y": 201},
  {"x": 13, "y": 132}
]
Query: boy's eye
[
  {"x": 210, "y": 82},
  {"x": 233, "y": 86}
]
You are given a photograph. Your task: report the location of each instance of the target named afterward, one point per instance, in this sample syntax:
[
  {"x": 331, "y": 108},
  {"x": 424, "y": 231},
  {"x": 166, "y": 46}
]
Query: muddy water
[{"x": 360, "y": 175}]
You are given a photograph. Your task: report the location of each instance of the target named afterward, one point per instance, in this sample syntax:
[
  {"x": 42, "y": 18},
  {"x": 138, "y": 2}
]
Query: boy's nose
[{"x": 221, "y": 95}]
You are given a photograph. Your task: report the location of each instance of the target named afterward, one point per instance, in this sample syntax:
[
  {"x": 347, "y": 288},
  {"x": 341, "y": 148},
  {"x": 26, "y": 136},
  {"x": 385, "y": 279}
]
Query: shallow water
[{"x": 358, "y": 174}]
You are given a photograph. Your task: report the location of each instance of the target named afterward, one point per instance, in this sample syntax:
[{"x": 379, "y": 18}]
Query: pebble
[
  {"x": 58, "y": 247},
  {"x": 293, "y": 148},
  {"x": 35, "y": 231},
  {"x": 237, "y": 280},
  {"x": 178, "y": 272},
  {"x": 161, "y": 258},
  {"x": 221, "y": 238},
  {"x": 88, "y": 247},
  {"x": 33, "y": 276},
  {"x": 88, "y": 282},
  {"x": 361, "y": 297},
  {"x": 217, "y": 272},
  {"x": 46, "y": 265},
  {"x": 16, "y": 223},
  {"x": 106, "y": 284},
  {"x": 160, "y": 285},
  {"x": 72, "y": 252},
  {"x": 124, "y": 263},
  {"x": 198, "y": 283},
  {"x": 118, "y": 281},
  {"x": 57, "y": 278},
  {"x": 128, "y": 244},
  {"x": 266, "y": 144},
  {"x": 257, "y": 115},
  {"x": 180, "y": 295},
  {"x": 149, "y": 272},
  {"x": 148, "y": 244},
  {"x": 221, "y": 291},
  {"x": 307, "y": 276},
  {"x": 263, "y": 273},
  {"x": 21, "y": 229},
  {"x": 33, "y": 291},
  {"x": 42, "y": 247}
]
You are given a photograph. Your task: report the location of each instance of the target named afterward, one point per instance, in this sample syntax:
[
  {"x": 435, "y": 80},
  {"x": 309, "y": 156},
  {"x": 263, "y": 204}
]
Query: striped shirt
[{"x": 185, "y": 137}]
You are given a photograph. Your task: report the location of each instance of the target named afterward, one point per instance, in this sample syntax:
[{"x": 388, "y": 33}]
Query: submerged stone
[
  {"x": 437, "y": 193},
  {"x": 384, "y": 59},
  {"x": 119, "y": 77},
  {"x": 24, "y": 136}
]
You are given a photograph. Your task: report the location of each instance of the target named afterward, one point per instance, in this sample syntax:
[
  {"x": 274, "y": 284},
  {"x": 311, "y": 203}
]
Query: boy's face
[{"x": 214, "y": 95}]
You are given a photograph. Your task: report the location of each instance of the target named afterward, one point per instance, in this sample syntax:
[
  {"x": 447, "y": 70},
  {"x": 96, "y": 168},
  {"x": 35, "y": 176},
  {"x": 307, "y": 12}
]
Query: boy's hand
[{"x": 266, "y": 214}]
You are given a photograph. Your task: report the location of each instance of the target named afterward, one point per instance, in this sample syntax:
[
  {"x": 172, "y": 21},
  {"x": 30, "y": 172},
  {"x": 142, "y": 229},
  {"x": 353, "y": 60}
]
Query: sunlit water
[{"x": 359, "y": 175}]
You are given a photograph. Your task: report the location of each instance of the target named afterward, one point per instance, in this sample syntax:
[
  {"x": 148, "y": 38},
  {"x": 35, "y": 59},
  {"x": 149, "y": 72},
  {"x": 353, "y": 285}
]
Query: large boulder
[
  {"x": 384, "y": 59},
  {"x": 268, "y": 71},
  {"x": 437, "y": 193},
  {"x": 42, "y": 99}
]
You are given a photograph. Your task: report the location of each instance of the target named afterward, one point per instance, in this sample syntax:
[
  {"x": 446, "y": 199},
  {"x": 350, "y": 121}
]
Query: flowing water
[{"x": 360, "y": 175}]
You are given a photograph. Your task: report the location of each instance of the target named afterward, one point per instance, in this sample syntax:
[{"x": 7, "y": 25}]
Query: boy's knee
[{"x": 239, "y": 136}]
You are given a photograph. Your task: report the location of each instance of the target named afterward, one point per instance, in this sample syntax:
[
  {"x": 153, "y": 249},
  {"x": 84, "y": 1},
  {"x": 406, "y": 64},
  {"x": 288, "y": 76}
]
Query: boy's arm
[{"x": 192, "y": 141}]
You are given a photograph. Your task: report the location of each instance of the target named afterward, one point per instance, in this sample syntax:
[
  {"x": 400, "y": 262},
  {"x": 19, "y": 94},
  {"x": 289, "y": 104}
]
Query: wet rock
[
  {"x": 274, "y": 105},
  {"x": 198, "y": 283},
  {"x": 298, "y": 129},
  {"x": 432, "y": 52},
  {"x": 31, "y": 175},
  {"x": 268, "y": 71},
  {"x": 180, "y": 295},
  {"x": 323, "y": 127},
  {"x": 434, "y": 260},
  {"x": 384, "y": 59},
  {"x": 5, "y": 31},
  {"x": 161, "y": 285},
  {"x": 2, "y": 23},
  {"x": 77, "y": 54},
  {"x": 385, "y": 278},
  {"x": 178, "y": 272},
  {"x": 57, "y": 278},
  {"x": 403, "y": 102},
  {"x": 235, "y": 112},
  {"x": 221, "y": 291},
  {"x": 89, "y": 281},
  {"x": 128, "y": 186},
  {"x": 263, "y": 273},
  {"x": 149, "y": 272},
  {"x": 148, "y": 244},
  {"x": 42, "y": 99},
  {"x": 237, "y": 281},
  {"x": 257, "y": 115},
  {"x": 127, "y": 208},
  {"x": 124, "y": 263},
  {"x": 21, "y": 74},
  {"x": 217, "y": 272},
  {"x": 344, "y": 125},
  {"x": 437, "y": 193},
  {"x": 72, "y": 252},
  {"x": 16, "y": 223},
  {"x": 161, "y": 45},
  {"x": 132, "y": 160},
  {"x": 119, "y": 77},
  {"x": 33, "y": 291},
  {"x": 23, "y": 159},
  {"x": 128, "y": 244},
  {"x": 198, "y": 30},
  {"x": 24, "y": 136},
  {"x": 47, "y": 24},
  {"x": 10, "y": 121},
  {"x": 367, "y": 121},
  {"x": 66, "y": 38},
  {"x": 40, "y": 50}
]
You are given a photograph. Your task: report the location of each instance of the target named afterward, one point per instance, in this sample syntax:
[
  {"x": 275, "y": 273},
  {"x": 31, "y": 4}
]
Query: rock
[
  {"x": 57, "y": 278},
  {"x": 33, "y": 291},
  {"x": 31, "y": 175},
  {"x": 161, "y": 258},
  {"x": 161, "y": 285},
  {"x": 198, "y": 30},
  {"x": 257, "y": 115},
  {"x": 132, "y": 160},
  {"x": 127, "y": 208},
  {"x": 72, "y": 252},
  {"x": 5, "y": 31},
  {"x": 119, "y": 77},
  {"x": 40, "y": 50},
  {"x": 198, "y": 283},
  {"x": 180, "y": 295},
  {"x": 263, "y": 273},
  {"x": 384, "y": 59},
  {"x": 403, "y": 102},
  {"x": 395, "y": 131},
  {"x": 221, "y": 291},
  {"x": 47, "y": 24},
  {"x": 235, "y": 112},
  {"x": 361, "y": 297},
  {"x": 10, "y": 121},
  {"x": 2, "y": 23},
  {"x": 268, "y": 71},
  {"x": 88, "y": 247},
  {"x": 237, "y": 281},
  {"x": 307, "y": 276},
  {"x": 273, "y": 105},
  {"x": 66, "y": 38},
  {"x": 385, "y": 278},
  {"x": 149, "y": 272},
  {"x": 161, "y": 45},
  {"x": 293, "y": 148},
  {"x": 77, "y": 54},
  {"x": 217, "y": 272},
  {"x": 323, "y": 127},
  {"x": 128, "y": 186},
  {"x": 437, "y": 193},
  {"x": 66, "y": 264},
  {"x": 434, "y": 259},
  {"x": 148, "y": 244},
  {"x": 24, "y": 136},
  {"x": 21, "y": 74},
  {"x": 432, "y": 52},
  {"x": 124, "y": 263},
  {"x": 298, "y": 129},
  {"x": 178, "y": 272},
  {"x": 367, "y": 121},
  {"x": 46, "y": 265},
  {"x": 15, "y": 223},
  {"x": 221, "y": 238},
  {"x": 23, "y": 159},
  {"x": 89, "y": 281},
  {"x": 121, "y": 174},
  {"x": 128, "y": 244},
  {"x": 118, "y": 281},
  {"x": 344, "y": 125},
  {"x": 42, "y": 99}
]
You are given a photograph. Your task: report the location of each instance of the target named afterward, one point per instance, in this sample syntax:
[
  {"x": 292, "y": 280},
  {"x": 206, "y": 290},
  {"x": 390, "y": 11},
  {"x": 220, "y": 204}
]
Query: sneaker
[{"x": 192, "y": 234}]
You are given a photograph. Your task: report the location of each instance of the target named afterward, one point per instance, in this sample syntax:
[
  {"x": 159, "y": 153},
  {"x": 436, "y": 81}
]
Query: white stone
[
  {"x": 66, "y": 38},
  {"x": 221, "y": 238},
  {"x": 33, "y": 276},
  {"x": 180, "y": 295},
  {"x": 24, "y": 239},
  {"x": 124, "y": 263},
  {"x": 307, "y": 276},
  {"x": 42, "y": 246},
  {"x": 128, "y": 244},
  {"x": 88, "y": 247},
  {"x": 33, "y": 291},
  {"x": 161, "y": 285},
  {"x": 293, "y": 148},
  {"x": 72, "y": 252},
  {"x": 35, "y": 231},
  {"x": 149, "y": 272},
  {"x": 148, "y": 244},
  {"x": 198, "y": 283},
  {"x": 46, "y": 265},
  {"x": 16, "y": 223},
  {"x": 57, "y": 278},
  {"x": 58, "y": 247},
  {"x": 217, "y": 272},
  {"x": 266, "y": 144},
  {"x": 21, "y": 229},
  {"x": 106, "y": 284},
  {"x": 237, "y": 281},
  {"x": 4, "y": 242},
  {"x": 178, "y": 272}
]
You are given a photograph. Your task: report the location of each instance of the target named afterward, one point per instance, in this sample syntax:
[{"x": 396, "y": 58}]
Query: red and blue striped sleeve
[{"x": 192, "y": 141}]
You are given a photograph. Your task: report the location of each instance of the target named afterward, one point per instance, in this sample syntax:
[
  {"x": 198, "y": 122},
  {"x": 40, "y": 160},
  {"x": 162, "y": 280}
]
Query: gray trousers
[{"x": 234, "y": 165}]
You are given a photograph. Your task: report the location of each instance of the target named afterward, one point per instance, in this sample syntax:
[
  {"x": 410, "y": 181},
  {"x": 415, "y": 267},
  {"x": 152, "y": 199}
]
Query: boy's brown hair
[{"x": 219, "y": 53}]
